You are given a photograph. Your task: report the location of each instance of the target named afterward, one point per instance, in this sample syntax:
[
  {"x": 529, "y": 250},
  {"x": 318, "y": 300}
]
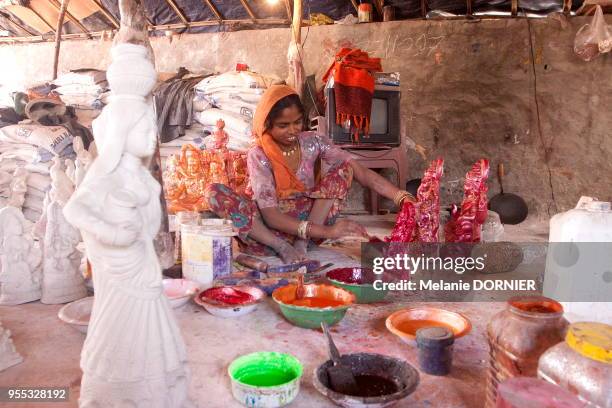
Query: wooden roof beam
[
  {"x": 178, "y": 11},
  {"x": 15, "y": 23},
  {"x": 248, "y": 9},
  {"x": 215, "y": 11},
  {"x": 106, "y": 13},
  {"x": 42, "y": 19},
  {"x": 72, "y": 19}
]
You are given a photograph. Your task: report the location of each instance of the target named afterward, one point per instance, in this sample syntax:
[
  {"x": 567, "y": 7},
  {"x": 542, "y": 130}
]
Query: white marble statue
[
  {"x": 18, "y": 187},
  {"x": 83, "y": 160},
  {"x": 20, "y": 274},
  {"x": 61, "y": 185},
  {"x": 8, "y": 355},
  {"x": 5, "y": 187},
  {"x": 62, "y": 279},
  {"x": 134, "y": 353}
]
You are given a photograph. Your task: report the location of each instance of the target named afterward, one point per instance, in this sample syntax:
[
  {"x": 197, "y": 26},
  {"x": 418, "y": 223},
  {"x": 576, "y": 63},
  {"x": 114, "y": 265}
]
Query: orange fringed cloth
[{"x": 353, "y": 86}]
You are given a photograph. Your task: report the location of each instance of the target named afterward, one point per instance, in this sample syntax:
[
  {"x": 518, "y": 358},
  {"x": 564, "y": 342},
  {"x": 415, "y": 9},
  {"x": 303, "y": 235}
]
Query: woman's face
[{"x": 287, "y": 126}]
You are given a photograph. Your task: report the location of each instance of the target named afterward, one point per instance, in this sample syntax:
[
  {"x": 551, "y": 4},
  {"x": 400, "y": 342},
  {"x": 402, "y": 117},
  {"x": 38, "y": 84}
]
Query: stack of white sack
[
  {"x": 233, "y": 97},
  {"x": 85, "y": 90},
  {"x": 194, "y": 135},
  {"x": 33, "y": 147}
]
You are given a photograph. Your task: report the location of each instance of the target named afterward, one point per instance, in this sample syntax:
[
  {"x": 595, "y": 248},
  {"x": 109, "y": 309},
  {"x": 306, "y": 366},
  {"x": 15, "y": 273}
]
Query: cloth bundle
[{"x": 353, "y": 86}]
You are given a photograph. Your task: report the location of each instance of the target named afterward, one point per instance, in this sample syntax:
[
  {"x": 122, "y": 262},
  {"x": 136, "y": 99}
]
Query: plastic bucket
[{"x": 207, "y": 251}]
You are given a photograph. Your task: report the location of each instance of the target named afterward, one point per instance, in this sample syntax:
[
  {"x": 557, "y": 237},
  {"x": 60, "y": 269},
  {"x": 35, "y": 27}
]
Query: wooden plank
[
  {"x": 106, "y": 13},
  {"x": 248, "y": 9},
  {"x": 7, "y": 16},
  {"x": 469, "y": 7},
  {"x": 178, "y": 12},
  {"x": 423, "y": 8},
  {"x": 354, "y": 2},
  {"x": 296, "y": 24},
  {"x": 58, "y": 35},
  {"x": 288, "y": 9},
  {"x": 212, "y": 8},
  {"x": 514, "y": 8},
  {"x": 41, "y": 19},
  {"x": 72, "y": 19}
]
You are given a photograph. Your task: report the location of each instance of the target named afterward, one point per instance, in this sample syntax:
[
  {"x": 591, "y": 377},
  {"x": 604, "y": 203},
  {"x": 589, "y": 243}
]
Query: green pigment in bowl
[{"x": 265, "y": 369}]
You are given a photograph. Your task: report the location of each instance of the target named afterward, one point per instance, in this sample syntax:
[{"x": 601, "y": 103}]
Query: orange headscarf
[{"x": 287, "y": 182}]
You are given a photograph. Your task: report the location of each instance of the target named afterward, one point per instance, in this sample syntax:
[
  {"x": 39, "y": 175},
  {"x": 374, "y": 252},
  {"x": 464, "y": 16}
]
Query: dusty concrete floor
[{"x": 51, "y": 349}]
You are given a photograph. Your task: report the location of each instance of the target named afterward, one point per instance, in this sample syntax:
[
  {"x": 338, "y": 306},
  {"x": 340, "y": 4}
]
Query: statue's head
[{"x": 131, "y": 72}]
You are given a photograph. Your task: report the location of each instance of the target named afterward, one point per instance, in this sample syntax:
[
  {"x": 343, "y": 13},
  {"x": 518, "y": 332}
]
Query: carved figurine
[
  {"x": 18, "y": 187},
  {"x": 220, "y": 136},
  {"x": 20, "y": 275},
  {"x": 61, "y": 185},
  {"x": 8, "y": 355},
  {"x": 83, "y": 160},
  {"x": 189, "y": 194},
  {"x": 70, "y": 170},
  {"x": 133, "y": 354},
  {"x": 62, "y": 280}
]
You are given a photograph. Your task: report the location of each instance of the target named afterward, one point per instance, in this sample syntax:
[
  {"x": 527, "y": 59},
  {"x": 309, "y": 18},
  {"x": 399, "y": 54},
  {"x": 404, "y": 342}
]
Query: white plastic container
[
  {"x": 579, "y": 261},
  {"x": 207, "y": 251}
]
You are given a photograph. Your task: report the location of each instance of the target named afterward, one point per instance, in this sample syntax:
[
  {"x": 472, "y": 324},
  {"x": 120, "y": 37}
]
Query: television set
[{"x": 384, "y": 120}]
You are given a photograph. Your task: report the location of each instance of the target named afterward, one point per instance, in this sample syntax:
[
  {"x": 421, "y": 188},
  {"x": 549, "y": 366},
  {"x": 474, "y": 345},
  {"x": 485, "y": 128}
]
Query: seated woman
[{"x": 299, "y": 182}]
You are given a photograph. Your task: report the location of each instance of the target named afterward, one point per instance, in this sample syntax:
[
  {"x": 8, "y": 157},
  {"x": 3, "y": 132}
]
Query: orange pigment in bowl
[
  {"x": 316, "y": 302},
  {"x": 411, "y": 326}
]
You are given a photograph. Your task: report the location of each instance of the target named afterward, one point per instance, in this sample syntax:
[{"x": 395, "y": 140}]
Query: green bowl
[
  {"x": 364, "y": 293},
  {"x": 265, "y": 379},
  {"x": 311, "y": 317}
]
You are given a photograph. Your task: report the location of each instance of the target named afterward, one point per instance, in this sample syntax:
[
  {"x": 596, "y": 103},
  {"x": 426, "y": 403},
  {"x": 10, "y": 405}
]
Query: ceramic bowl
[
  {"x": 221, "y": 309},
  {"x": 358, "y": 281},
  {"x": 179, "y": 291},
  {"x": 77, "y": 313},
  {"x": 403, "y": 377},
  {"x": 404, "y": 323},
  {"x": 265, "y": 379},
  {"x": 310, "y": 317}
]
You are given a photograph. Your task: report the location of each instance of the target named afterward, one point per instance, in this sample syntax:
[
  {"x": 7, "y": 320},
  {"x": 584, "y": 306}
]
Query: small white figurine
[
  {"x": 8, "y": 355},
  {"x": 20, "y": 275},
  {"x": 83, "y": 160},
  {"x": 18, "y": 187},
  {"x": 61, "y": 185},
  {"x": 62, "y": 279},
  {"x": 134, "y": 354},
  {"x": 70, "y": 169}
]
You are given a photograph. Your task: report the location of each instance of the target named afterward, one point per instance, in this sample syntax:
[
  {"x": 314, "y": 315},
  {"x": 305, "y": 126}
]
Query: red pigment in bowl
[
  {"x": 354, "y": 276},
  {"x": 227, "y": 295}
]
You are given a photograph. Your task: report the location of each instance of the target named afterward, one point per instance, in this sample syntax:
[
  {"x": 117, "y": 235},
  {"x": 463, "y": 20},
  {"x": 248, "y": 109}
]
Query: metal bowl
[
  {"x": 310, "y": 317},
  {"x": 404, "y": 323},
  {"x": 399, "y": 372},
  {"x": 220, "y": 309}
]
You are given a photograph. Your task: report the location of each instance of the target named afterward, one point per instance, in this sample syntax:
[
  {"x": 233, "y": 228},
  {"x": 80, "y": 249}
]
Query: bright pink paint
[
  {"x": 227, "y": 295},
  {"x": 355, "y": 275}
]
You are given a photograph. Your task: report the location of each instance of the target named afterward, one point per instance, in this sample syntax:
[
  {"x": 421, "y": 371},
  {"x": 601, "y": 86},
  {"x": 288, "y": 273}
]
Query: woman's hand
[{"x": 347, "y": 228}]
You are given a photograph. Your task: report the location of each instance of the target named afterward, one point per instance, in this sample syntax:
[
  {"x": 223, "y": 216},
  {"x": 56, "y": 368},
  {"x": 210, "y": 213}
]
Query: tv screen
[{"x": 384, "y": 121}]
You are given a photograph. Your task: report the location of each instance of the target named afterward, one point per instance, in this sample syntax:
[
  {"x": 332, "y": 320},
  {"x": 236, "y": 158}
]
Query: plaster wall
[{"x": 510, "y": 90}]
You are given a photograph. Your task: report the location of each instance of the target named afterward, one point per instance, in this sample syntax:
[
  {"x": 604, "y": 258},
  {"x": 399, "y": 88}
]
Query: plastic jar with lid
[
  {"x": 582, "y": 363},
  {"x": 518, "y": 336}
]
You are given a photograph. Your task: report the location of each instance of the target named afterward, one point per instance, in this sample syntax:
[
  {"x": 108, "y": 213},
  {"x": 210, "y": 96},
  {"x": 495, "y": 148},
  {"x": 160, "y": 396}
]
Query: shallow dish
[
  {"x": 221, "y": 309},
  {"x": 404, "y": 323},
  {"x": 311, "y": 311},
  {"x": 265, "y": 379},
  {"x": 403, "y": 377},
  {"x": 179, "y": 291},
  {"x": 77, "y": 313}
]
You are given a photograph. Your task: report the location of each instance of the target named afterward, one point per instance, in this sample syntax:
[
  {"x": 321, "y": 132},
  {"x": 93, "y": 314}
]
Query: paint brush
[
  {"x": 300, "y": 291},
  {"x": 341, "y": 378}
]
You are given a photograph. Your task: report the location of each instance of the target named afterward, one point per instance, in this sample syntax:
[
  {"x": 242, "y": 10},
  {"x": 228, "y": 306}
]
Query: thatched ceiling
[{"x": 35, "y": 20}]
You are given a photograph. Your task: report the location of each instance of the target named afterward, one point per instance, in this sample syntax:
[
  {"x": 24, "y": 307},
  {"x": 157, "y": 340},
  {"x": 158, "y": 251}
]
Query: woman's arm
[
  {"x": 285, "y": 223},
  {"x": 374, "y": 181}
]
